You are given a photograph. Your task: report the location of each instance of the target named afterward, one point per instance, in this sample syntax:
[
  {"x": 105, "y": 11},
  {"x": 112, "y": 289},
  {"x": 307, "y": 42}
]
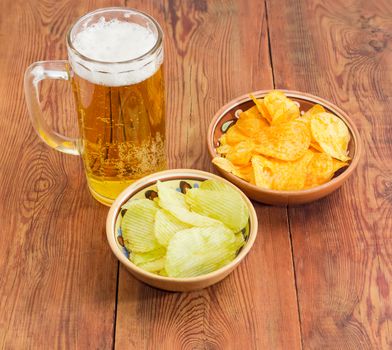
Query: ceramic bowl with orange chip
[{"x": 280, "y": 147}]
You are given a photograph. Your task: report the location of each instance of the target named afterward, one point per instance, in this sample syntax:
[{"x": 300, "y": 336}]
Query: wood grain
[
  {"x": 57, "y": 274},
  {"x": 58, "y": 278},
  {"x": 342, "y": 51},
  {"x": 210, "y": 59}
]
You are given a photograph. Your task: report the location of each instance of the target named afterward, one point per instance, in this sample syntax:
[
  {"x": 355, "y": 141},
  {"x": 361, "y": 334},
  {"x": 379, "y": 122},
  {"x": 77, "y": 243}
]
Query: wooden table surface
[{"x": 319, "y": 276}]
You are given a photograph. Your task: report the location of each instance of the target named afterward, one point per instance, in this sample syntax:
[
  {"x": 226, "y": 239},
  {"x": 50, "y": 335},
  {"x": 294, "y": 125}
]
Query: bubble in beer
[{"x": 114, "y": 41}]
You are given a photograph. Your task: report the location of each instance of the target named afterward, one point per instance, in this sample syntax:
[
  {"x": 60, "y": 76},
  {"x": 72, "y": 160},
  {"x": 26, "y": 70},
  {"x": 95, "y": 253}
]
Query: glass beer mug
[{"x": 114, "y": 65}]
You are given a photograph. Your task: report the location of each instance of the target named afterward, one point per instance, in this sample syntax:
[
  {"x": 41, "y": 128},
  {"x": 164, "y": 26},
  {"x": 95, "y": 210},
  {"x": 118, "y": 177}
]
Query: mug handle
[{"x": 34, "y": 74}]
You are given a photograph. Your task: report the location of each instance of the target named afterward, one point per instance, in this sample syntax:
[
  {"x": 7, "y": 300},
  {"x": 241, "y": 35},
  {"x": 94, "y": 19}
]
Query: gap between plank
[
  {"x": 287, "y": 208},
  {"x": 115, "y": 306},
  {"x": 117, "y": 281},
  {"x": 295, "y": 275},
  {"x": 269, "y": 44}
]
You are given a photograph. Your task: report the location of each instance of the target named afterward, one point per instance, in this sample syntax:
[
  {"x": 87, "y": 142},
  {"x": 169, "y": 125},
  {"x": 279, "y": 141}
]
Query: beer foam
[{"x": 115, "y": 41}]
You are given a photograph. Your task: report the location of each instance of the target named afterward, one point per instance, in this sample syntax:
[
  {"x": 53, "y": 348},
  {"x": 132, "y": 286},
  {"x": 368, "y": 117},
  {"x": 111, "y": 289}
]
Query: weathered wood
[
  {"x": 215, "y": 51},
  {"x": 57, "y": 274},
  {"x": 253, "y": 308},
  {"x": 341, "y": 51}
]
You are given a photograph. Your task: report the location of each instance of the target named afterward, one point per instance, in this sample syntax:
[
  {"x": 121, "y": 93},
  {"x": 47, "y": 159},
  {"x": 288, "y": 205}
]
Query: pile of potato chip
[
  {"x": 273, "y": 146},
  {"x": 188, "y": 233}
]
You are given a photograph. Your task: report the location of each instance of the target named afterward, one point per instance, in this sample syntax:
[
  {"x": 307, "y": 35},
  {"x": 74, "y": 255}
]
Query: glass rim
[{"x": 150, "y": 52}]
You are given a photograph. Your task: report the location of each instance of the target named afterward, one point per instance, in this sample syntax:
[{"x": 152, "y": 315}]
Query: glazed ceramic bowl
[
  {"x": 138, "y": 190},
  {"x": 227, "y": 115}
]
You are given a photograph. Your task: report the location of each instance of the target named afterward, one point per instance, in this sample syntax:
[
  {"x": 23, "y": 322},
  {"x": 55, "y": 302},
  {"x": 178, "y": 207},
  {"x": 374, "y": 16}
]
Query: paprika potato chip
[
  {"x": 315, "y": 145},
  {"x": 250, "y": 126},
  {"x": 286, "y": 141},
  {"x": 251, "y": 113},
  {"x": 222, "y": 140},
  {"x": 241, "y": 153},
  {"x": 320, "y": 169},
  {"x": 337, "y": 164},
  {"x": 306, "y": 118},
  {"x": 281, "y": 175},
  {"x": 223, "y": 149},
  {"x": 281, "y": 108},
  {"x": 331, "y": 134},
  {"x": 291, "y": 176},
  {"x": 234, "y": 135},
  {"x": 272, "y": 146},
  {"x": 262, "y": 171},
  {"x": 316, "y": 109},
  {"x": 225, "y": 165},
  {"x": 262, "y": 109},
  {"x": 245, "y": 173}
]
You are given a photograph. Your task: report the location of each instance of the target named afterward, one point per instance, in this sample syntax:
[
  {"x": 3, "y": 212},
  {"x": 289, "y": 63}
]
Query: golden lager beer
[
  {"x": 115, "y": 67},
  {"x": 122, "y": 132}
]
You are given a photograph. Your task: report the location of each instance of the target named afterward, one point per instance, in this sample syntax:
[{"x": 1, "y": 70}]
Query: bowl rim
[
  {"x": 175, "y": 174},
  {"x": 301, "y": 96}
]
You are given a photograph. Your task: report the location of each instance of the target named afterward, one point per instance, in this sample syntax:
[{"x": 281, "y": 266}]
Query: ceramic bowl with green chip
[{"x": 175, "y": 179}]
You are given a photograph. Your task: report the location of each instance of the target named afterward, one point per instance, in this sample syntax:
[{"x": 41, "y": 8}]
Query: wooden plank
[
  {"x": 342, "y": 245},
  {"x": 57, "y": 274},
  {"x": 215, "y": 51}
]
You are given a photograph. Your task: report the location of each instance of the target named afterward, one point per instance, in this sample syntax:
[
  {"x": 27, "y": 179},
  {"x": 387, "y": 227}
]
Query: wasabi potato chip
[
  {"x": 152, "y": 255},
  {"x": 241, "y": 153},
  {"x": 214, "y": 185},
  {"x": 163, "y": 273},
  {"x": 174, "y": 202},
  {"x": 245, "y": 233},
  {"x": 138, "y": 226},
  {"x": 166, "y": 225},
  {"x": 239, "y": 241},
  {"x": 280, "y": 108},
  {"x": 152, "y": 261},
  {"x": 127, "y": 205},
  {"x": 200, "y": 250},
  {"x": 332, "y": 134},
  {"x": 168, "y": 196},
  {"x": 287, "y": 141},
  {"x": 153, "y": 266},
  {"x": 163, "y": 237},
  {"x": 226, "y": 206}
]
